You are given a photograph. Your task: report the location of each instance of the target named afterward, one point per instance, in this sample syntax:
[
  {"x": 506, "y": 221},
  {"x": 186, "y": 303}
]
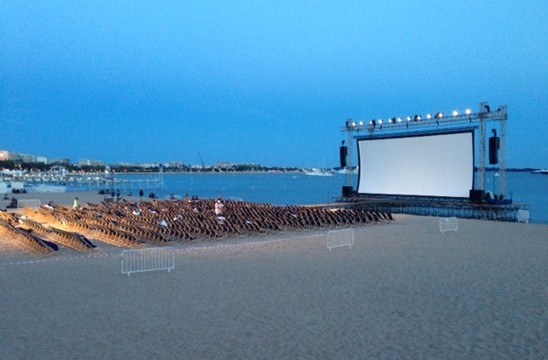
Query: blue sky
[{"x": 269, "y": 82}]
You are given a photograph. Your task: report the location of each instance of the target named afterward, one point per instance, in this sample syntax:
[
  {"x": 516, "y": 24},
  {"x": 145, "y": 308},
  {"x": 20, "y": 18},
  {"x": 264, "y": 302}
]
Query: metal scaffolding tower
[{"x": 432, "y": 124}]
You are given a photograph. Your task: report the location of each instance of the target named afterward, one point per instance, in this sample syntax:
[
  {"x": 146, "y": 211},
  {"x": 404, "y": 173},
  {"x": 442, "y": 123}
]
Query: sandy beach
[{"x": 402, "y": 291}]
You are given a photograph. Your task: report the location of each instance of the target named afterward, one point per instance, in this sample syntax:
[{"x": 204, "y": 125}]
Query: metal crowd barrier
[
  {"x": 28, "y": 203},
  {"x": 449, "y": 224},
  {"x": 339, "y": 238},
  {"x": 523, "y": 216},
  {"x": 151, "y": 259}
]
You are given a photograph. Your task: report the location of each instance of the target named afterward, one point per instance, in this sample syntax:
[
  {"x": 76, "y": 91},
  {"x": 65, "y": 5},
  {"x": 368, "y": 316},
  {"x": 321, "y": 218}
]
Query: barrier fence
[
  {"x": 28, "y": 203},
  {"x": 151, "y": 259},
  {"x": 449, "y": 224},
  {"x": 523, "y": 216},
  {"x": 339, "y": 238}
]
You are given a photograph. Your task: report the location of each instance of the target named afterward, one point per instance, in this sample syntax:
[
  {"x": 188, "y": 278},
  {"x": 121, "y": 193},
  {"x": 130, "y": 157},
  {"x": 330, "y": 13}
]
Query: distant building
[
  {"x": 26, "y": 158},
  {"x": 4, "y": 155},
  {"x": 60, "y": 161},
  {"x": 58, "y": 169},
  {"x": 148, "y": 165},
  {"x": 86, "y": 162},
  {"x": 224, "y": 165},
  {"x": 41, "y": 159},
  {"x": 174, "y": 165}
]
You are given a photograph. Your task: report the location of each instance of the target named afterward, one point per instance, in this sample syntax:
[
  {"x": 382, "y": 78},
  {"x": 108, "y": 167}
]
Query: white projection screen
[{"x": 440, "y": 165}]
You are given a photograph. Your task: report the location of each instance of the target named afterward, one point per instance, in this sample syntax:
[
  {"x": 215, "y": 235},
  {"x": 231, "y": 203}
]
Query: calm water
[
  {"x": 530, "y": 189},
  {"x": 297, "y": 189}
]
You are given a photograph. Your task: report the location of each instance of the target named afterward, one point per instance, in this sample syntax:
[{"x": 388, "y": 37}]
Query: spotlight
[
  {"x": 373, "y": 123},
  {"x": 350, "y": 124},
  {"x": 399, "y": 119},
  {"x": 468, "y": 111},
  {"x": 455, "y": 113},
  {"x": 392, "y": 120},
  {"x": 361, "y": 123},
  {"x": 409, "y": 118},
  {"x": 428, "y": 116},
  {"x": 379, "y": 122},
  {"x": 417, "y": 118},
  {"x": 438, "y": 115}
]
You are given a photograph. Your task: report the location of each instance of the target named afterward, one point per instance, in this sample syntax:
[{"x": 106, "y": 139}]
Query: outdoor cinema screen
[{"x": 425, "y": 165}]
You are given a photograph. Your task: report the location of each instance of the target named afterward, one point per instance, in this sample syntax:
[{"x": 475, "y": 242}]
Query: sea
[{"x": 301, "y": 189}]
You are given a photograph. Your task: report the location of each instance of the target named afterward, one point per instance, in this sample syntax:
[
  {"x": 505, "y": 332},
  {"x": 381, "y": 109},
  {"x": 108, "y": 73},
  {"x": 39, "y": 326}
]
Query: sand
[{"x": 402, "y": 291}]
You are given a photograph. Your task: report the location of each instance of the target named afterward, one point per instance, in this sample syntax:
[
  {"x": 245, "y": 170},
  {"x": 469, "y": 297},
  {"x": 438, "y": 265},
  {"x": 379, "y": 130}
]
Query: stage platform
[{"x": 442, "y": 207}]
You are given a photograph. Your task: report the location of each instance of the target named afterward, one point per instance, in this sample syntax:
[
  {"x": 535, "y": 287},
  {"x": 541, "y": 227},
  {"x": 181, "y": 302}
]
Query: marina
[{"x": 45, "y": 183}]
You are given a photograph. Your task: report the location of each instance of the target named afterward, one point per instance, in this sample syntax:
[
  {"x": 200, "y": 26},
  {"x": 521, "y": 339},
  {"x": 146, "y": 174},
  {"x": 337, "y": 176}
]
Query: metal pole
[
  {"x": 502, "y": 151},
  {"x": 482, "y": 135},
  {"x": 350, "y": 157}
]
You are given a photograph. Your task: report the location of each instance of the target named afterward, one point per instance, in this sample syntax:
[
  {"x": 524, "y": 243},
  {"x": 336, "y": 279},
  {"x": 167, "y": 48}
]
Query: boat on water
[
  {"x": 317, "y": 172},
  {"x": 540, "y": 171},
  {"x": 347, "y": 170}
]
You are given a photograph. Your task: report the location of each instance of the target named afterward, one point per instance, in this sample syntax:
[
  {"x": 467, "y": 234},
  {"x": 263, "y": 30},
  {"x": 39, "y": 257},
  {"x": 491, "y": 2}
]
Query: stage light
[
  {"x": 379, "y": 122},
  {"x": 361, "y": 123},
  {"x": 373, "y": 123},
  {"x": 417, "y": 118},
  {"x": 399, "y": 119},
  {"x": 392, "y": 120},
  {"x": 350, "y": 124},
  {"x": 455, "y": 113},
  {"x": 428, "y": 116},
  {"x": 409, "y": 118},
  {"x": 468, "y": 112},
  {"x": 439, "y": 115}
]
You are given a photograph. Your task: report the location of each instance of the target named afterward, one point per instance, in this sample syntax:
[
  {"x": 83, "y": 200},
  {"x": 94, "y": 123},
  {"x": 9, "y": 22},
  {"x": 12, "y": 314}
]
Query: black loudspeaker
[
  {"x": 476, "y": 196},
  {"x": 347, "y": 191},
  {"x": 494, "y": 145},
  {"x": 343, "y": 151}
]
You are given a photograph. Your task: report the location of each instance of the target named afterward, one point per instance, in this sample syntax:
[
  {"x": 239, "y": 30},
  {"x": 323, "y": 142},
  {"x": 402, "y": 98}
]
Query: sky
[{"x": 268, "y": 82}]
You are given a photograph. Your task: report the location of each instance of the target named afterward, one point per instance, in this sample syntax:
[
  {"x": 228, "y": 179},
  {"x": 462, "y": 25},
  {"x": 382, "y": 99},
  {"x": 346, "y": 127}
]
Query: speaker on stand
[
  {"x": 347, "y": 191},
  {"x": 476, "y": 196},
  {"x": 343, "y": 152},
  {"x": 494, "y": 146}
]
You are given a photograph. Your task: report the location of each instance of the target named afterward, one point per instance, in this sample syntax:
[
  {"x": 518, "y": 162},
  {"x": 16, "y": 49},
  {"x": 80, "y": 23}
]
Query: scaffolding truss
[{"x": 438, "y": 124}]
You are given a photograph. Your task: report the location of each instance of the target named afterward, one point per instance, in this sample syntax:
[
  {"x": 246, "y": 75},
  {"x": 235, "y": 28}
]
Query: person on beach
[
  {"x": 141, "y": 193},
  {"x": 13, "y": 203},
  {"x": 49, "y": 205},
  {"x": 76, "y": 203},
  {"x": 219, "y": 207}
]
